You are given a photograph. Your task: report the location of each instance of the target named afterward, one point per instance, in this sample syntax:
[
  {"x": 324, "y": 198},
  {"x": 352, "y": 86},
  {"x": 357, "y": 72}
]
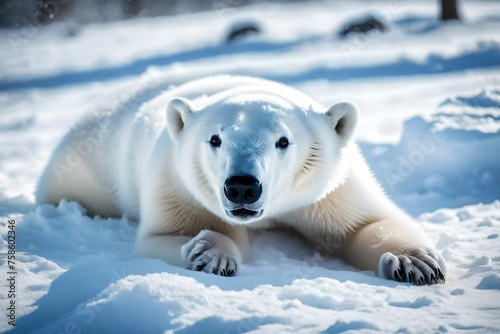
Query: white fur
[{"x": 151, "y": 158}]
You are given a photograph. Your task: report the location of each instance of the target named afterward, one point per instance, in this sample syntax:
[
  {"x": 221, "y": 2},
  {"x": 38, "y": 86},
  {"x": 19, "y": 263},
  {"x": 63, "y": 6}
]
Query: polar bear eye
[
  {"x": 282, "y": 142},
  {"x": 215, "y": 141}
]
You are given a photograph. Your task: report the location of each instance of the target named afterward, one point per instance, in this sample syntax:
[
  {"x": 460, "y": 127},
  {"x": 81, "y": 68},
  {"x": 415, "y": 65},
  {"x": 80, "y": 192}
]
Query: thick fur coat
[{"x": 201, "y": 163}]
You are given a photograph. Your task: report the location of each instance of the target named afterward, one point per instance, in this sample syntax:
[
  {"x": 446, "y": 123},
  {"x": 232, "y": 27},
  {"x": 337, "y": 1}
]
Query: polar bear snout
[
  {"x": 242, "y": 194},
  {"x": 243, "y": 189}
]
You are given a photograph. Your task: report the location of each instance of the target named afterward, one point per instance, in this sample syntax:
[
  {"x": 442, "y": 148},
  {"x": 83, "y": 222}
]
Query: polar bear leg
[
  {"x": 396, "y": 251},
  {"x": 209, "y": 251},
  {"x": 70, "y": 176},
  {"x": 163, "y": 247}
]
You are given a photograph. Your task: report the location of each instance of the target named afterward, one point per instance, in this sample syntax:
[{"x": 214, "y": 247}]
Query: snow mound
[
  {"x": 480, "y": 113},
  {"x": 491, "y": 281},
  {"x": 48, "y": 229},
  {"x": 446, "y": 158},
  {"x": 489, "y": 98}
]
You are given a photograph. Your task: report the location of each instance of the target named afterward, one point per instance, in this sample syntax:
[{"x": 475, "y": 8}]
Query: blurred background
[
  {"x": 19, "y": 13},
  {"x": 34, "y": 12}
]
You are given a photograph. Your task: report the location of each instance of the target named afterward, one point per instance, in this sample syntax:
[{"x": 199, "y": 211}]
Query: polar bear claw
[
  {"x": 419, "y": 267},
  {"x": 203, "y": 255}
]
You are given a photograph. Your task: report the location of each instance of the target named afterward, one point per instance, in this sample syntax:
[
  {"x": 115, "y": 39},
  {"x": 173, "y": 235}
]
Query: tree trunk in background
[{"x": 449, "y": 10}]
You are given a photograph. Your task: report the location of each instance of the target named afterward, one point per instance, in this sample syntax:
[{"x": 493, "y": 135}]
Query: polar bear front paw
[
  {"x": 213, "y": 253},
  {"x": 421, "y": 266}
]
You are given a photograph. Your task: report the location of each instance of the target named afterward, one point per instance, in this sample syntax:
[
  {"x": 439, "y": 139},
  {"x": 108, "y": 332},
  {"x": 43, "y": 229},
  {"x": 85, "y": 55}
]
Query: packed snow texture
[{"x": 429, "y": 95}]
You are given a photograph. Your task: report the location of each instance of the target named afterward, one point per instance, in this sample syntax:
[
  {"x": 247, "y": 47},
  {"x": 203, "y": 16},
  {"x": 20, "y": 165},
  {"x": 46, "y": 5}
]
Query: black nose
[{"x": 243, "y": 189}]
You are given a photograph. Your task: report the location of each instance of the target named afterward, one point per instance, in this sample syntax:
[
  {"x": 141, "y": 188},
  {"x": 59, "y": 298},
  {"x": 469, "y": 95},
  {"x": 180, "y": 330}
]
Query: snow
[
  {"x": 416, "y": 172},
  {"x": 285, "y": 287},
  {"x": 429, "y": 95}
]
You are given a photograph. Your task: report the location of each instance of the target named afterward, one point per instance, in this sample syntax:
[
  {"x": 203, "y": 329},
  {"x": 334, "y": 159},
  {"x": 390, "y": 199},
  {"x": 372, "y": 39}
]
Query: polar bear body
[{"x": 200, "y": 163}]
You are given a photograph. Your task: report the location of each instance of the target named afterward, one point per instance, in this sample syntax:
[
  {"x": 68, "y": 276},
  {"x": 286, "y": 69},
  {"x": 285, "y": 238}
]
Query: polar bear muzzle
[{"x": 242, "y": 192}]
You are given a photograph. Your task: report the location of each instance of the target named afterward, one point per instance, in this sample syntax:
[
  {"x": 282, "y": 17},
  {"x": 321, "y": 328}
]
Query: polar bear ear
[
  {"x": 179, "y": 112},
  {"x": 343, "y": 118}
]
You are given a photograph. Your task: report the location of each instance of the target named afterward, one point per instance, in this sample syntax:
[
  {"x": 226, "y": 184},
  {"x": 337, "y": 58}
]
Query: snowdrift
[{"x": 445, "y": 159}]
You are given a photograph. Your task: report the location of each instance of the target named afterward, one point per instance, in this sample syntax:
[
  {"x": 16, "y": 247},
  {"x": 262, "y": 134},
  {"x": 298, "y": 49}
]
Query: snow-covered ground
[{"x": 429, "y": 94}]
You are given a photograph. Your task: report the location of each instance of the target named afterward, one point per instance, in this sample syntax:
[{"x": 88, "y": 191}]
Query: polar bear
[{"x": 200, "y": 164}]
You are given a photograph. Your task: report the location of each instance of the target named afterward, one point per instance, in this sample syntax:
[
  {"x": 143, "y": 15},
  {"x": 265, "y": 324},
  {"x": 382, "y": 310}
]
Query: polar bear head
[{"x": 253, "y": 154}]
